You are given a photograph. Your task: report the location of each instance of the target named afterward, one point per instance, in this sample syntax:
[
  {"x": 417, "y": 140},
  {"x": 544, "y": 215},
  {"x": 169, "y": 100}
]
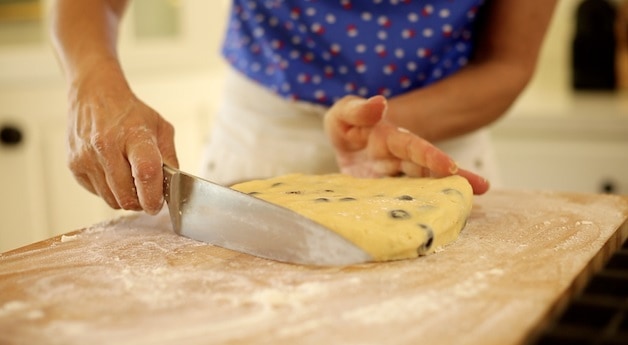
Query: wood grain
[{"x": 133, "y": 281}]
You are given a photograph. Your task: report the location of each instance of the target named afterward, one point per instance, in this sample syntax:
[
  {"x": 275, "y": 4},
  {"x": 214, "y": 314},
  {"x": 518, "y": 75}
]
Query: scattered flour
[
  {"x": 68, "y": 238},
  {"x": 16, "y": 308}
]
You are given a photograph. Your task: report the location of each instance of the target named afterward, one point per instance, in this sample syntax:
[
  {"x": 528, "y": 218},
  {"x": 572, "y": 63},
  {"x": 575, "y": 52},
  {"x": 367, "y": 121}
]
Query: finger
[
  {"x": 92, "y": 178},
  {"x": 479, "y": 184},
  {"x": 349, "y": 122},
  {"x": 116, "y": 171},
  {"x": 413, "y": 170},
  {"x": 385, "y": 167},
  {"x": 98, "y": 180},
  {"x": 361, "y": 112},
  {"x": 146, "y": 168},
  {"x": 84, "y": 181},
  {"x": 439, "y": 164},
  {"x": 409, "y": 147},
  {"x": 121, "y": 184}
]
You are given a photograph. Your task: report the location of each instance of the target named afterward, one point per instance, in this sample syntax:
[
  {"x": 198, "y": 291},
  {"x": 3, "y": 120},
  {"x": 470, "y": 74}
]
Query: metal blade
[{"x": 208, "y": 212}]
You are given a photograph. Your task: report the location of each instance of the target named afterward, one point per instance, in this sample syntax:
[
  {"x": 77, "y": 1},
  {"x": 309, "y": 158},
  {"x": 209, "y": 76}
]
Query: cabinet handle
[
  {"x": 10, "y": 135},
  {"x": 608, "y": 187}
]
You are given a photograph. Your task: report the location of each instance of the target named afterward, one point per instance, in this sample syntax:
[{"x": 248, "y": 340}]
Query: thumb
[
  {"x": 349, "y": 121},
  {"x": 360, "y": 112}
]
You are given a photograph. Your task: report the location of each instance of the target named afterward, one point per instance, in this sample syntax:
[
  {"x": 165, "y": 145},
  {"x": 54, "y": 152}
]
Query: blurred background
[{"x": 567, "y": 132}]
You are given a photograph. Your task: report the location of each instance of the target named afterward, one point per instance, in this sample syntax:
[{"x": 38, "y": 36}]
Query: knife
[{"x": 208, "y": 212}]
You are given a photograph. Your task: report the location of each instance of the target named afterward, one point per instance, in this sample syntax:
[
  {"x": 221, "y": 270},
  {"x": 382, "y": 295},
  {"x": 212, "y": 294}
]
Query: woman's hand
[
  {"x": 367, "y": 145},
  {"x": 117, "y": 146}
]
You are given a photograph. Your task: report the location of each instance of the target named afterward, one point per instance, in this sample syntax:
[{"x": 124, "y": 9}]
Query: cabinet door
[
  {"x": 588, "y": 166},
  {"x": 39, "y": 196},
  {"x": 22, "y": 202}
]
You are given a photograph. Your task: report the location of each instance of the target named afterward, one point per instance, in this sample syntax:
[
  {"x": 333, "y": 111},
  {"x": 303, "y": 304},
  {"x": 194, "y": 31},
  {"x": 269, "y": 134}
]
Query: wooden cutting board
[{"x": 133, "y": 281}]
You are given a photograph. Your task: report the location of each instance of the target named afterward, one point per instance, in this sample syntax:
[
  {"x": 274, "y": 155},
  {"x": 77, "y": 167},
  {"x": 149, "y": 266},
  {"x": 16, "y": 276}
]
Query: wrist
[{"x": 98, "y": 75}]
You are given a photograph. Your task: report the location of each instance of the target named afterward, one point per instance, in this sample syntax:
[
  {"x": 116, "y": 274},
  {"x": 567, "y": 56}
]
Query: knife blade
[{"x": 205, "y": 211}]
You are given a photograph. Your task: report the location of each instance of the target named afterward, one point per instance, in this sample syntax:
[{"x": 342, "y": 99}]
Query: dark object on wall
[
  {"x": 593, "y": 50},
  {"x": 10, "y": 135}
]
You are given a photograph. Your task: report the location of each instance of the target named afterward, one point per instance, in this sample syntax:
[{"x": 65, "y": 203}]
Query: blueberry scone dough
[{"x": 390, "y": 218}]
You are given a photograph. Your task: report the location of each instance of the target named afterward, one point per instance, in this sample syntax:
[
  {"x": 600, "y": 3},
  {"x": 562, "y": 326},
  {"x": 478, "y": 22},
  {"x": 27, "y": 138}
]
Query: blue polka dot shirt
[{"x": 321, "y": 50}]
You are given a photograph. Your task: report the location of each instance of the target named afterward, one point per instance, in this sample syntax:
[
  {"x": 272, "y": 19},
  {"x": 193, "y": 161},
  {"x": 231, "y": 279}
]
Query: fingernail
[
  {"x": 385, "y": 110},
  {"x": 380, "y": 98},
  {"x": 453, "y": 168}
]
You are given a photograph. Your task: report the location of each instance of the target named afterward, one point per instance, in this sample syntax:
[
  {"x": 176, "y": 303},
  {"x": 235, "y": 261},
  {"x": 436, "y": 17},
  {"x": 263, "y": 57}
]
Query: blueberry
[
  {"x": 425, "y": 247},
  {"x": 450, "y": 191},
  {"x": 399, "y": 214}
]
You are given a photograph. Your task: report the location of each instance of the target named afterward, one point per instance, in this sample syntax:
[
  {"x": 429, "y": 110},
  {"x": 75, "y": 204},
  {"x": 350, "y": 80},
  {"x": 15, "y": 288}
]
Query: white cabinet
[
  {"x": 582, "y": 147},
  {"x": 39, "y": 195},
  {"x": 563, "y": 164},
  {"x": 21, "y": 205}
]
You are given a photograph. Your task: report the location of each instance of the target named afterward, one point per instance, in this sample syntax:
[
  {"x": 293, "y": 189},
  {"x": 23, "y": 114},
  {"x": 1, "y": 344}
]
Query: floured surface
[
  {"x": 389, "y": 218},
  {"x": 133, "y": 281}
]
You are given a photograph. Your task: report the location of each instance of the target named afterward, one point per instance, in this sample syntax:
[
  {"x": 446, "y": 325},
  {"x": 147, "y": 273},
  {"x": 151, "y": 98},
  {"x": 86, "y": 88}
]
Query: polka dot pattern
[{"x": 321, "y": 50}]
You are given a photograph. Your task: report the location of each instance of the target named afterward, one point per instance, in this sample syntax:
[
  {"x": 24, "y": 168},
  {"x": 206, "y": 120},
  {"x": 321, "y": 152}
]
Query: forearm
[
  {"x": 84, "y": 36},
  {"x": 480, "y": 93},
  {"x": 460, "y": 104}
]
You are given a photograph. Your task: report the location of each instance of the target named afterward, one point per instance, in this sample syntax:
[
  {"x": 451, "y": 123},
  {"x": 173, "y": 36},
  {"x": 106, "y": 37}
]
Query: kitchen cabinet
[
  {"x": 39, "y": 196},
  {"x": 580, "y": 145},
  {"x": 21, "y": 206}
]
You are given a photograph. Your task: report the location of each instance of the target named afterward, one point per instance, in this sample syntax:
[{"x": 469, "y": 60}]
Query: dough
[{"x": 390, "y": 218}]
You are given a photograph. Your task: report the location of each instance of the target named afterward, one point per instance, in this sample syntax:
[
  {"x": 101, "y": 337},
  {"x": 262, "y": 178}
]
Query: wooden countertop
[{"x": 133, "y": 281}]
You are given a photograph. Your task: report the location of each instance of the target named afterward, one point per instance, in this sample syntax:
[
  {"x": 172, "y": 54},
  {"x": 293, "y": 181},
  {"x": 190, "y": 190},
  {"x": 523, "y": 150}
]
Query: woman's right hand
[{"x": 118, "y": 144}]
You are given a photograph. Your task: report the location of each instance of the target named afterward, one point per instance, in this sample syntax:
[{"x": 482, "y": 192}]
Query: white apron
[{"x": 257, "y": 134}]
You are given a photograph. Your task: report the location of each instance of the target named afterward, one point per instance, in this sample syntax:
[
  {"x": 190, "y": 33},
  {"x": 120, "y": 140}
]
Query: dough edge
[{"x": 442, "y": 204}]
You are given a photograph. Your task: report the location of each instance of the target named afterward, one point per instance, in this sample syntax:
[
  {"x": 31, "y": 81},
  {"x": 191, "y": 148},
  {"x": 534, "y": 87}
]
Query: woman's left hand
[{"x": 367, "y": 145}]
